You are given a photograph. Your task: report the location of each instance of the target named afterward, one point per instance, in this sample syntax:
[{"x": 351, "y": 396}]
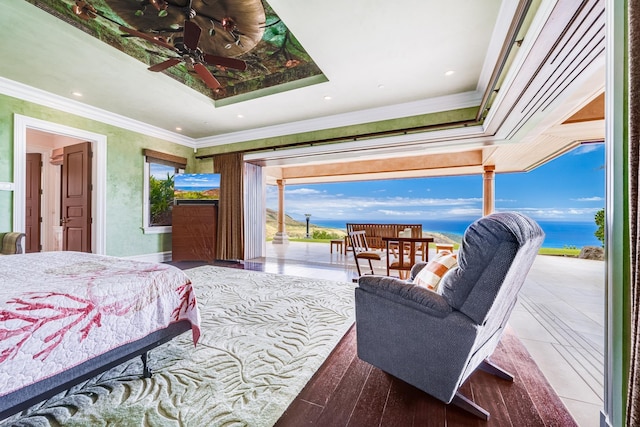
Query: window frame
[{"x": 179, "y": 165}]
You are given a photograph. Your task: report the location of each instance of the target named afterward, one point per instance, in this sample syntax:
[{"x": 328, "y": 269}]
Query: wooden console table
[
  {"x": 194, "y": 232},
  {"x": 406, "y": 260}
]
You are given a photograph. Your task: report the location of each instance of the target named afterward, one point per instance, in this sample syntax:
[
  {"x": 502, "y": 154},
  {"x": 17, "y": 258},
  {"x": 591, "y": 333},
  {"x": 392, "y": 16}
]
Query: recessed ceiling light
[
  {"x": 327, "y": 98},
  {"x": 240, "y": 116},
  {"x": 449, "y": 73},
  {"x": 76, "y": 93},
  {"x": 178, "y": 129}
]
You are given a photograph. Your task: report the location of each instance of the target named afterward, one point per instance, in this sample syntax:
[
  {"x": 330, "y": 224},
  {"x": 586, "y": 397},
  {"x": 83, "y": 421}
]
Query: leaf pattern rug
[{"x": 263, "y": 337}]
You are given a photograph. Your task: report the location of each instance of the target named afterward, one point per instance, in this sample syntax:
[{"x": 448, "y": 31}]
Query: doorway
[
  {"x": 48, "y": 183},
  {"x": 28, "y": 126}
]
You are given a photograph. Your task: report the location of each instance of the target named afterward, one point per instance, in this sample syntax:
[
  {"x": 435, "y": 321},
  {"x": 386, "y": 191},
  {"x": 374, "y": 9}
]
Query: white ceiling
[
  {"x": 406, "y": 46},
  {"x": 383, "y": 60}
]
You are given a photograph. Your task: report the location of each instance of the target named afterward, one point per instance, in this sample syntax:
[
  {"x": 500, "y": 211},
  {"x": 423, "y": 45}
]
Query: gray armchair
[{"x": 435, "y": 341}]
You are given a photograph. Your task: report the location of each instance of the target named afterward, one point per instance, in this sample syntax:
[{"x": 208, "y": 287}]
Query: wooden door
[
  {"x": 76, "y": 198},
  {"x": 33, "y": 215}
]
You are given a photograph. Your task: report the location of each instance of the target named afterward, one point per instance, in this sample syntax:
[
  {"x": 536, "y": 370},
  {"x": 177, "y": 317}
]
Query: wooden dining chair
[{"x": 361, "y": 249}]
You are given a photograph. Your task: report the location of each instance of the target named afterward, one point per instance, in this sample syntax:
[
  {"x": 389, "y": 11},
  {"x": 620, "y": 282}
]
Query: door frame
[{"x": 99, "y": 179}]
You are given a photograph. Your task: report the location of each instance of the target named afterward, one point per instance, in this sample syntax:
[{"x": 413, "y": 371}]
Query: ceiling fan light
[
  {"x": 160, "y": 5},
  {"x": 84, "y": 10},
  {"x": 292, "y": 63},
  {"x": 229, "y": 24}
]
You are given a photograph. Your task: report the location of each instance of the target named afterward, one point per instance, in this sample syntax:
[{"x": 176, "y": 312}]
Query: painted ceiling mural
[{"x": 226, "y": 49}]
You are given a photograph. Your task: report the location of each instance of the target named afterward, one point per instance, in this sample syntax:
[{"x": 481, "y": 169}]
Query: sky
[
  {"x": 193, "y": 181},
  {"x": 568, "y": 188}
]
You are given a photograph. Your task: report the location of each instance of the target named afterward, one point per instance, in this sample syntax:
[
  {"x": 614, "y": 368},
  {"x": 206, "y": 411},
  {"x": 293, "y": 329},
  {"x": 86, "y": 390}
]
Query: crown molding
[
  {"x": 389, "y": 146},
  {"x": 427, "y": 106},
  {"x": 27, "y": 93},
  {"x": 46, "y": 99}
]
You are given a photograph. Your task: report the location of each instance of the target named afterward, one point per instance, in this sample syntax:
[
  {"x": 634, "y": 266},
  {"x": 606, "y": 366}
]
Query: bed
[{"x": 67, "y": 316}]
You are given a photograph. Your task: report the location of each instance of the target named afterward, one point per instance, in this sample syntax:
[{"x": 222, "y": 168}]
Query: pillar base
[{"x": 281, "y": 238}]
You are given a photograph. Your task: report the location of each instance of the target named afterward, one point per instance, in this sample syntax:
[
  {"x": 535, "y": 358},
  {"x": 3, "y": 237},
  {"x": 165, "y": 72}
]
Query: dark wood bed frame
[{"x": 32, "y": 394}]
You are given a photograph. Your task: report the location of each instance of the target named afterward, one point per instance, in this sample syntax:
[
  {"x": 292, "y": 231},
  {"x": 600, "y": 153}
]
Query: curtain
[
  {"x": 231, "y": 208},
  {"x": 255, "y": 211},
  {"x": 633, "y": 402}
]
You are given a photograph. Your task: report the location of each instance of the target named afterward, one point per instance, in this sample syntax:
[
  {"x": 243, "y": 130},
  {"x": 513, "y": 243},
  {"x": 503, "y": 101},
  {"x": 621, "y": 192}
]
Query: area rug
[{"x": 263, "y": 337}]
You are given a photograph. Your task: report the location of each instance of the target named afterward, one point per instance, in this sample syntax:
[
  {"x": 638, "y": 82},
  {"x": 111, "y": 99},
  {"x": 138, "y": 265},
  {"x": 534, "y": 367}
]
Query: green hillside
[{"x": 298, "y": 229}]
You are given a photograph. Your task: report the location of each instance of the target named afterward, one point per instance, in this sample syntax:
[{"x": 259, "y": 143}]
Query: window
[{"x": 159, "y": 172}]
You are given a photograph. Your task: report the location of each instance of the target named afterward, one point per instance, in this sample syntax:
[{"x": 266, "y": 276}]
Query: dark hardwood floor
[{"x": 347, "y": 391}]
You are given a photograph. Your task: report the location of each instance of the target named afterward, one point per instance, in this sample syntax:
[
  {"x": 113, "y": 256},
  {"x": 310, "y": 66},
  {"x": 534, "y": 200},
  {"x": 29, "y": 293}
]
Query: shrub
[
  {"x": 160, "y": 200},
  {"x": 324, "y": 235},
  {"x": 599, "y": 218}
]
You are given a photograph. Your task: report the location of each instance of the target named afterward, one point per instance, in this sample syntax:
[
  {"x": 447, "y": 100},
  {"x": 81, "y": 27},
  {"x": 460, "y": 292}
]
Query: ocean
[{"x": 558, "y": 234}]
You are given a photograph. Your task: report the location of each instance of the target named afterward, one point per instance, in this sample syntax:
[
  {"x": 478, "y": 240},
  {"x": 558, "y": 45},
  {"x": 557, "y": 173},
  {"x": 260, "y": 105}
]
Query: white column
[
  {"x": 281, "y": 236},
  {"x": 488, "y": 190}
]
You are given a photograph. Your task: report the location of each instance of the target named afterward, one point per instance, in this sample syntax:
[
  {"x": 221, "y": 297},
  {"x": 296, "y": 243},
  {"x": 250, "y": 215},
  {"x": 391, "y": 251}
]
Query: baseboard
[
  {"x": 156, "y": 257},
  {"x": 604, "y": 420}
]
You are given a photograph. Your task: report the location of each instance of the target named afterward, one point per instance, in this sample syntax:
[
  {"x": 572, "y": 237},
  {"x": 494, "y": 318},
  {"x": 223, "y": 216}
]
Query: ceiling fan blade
[
  {"x": 165, "y": 64},
  {"x": 237, "y": 64},
  {"x": 207, "y": 77},
  {"x": 147, "y": 37},
  {"x": 191, "y": 35}
]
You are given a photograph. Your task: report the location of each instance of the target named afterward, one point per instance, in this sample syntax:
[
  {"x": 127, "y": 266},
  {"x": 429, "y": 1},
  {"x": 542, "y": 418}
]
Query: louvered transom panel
[
  {"x": 553, "y": 70},
  {"x": 582, "y": 44}
]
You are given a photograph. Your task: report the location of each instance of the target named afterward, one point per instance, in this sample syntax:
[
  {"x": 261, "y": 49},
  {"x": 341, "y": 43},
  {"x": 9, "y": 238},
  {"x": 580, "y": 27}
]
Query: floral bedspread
[{"x": 59, "y": 309}]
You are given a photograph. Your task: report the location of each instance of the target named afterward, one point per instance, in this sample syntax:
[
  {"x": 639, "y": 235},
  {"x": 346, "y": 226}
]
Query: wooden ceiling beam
[{"x": 399, "y": 164}]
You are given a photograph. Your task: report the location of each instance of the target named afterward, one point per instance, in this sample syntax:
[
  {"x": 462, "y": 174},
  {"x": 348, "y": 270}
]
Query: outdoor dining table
[{"x": 406, "y": 260}]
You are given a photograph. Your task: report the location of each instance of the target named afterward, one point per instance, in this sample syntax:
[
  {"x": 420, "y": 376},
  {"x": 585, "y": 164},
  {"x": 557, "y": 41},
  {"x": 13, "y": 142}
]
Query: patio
[{"x": 559, "y": 318}]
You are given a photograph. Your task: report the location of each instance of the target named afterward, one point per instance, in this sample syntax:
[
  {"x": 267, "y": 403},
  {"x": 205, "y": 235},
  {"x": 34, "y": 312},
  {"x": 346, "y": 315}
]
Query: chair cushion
[
  {"x": 369, "y": 255},
  {"x": 435, "y": 270},
  {"x": 404, "y": 293}
]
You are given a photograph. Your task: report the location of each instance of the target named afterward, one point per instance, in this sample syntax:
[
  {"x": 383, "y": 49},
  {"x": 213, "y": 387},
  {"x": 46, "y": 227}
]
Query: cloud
[
  {"x": 589, "y": 199},
  {"x": 469, "y": 212},
  {"x": 559, "y": 213},
  {"x": 413, "y": 214},
  {"x": 324, "y": 205},
  {"x": 352, "y": 202},
  {"x": 197, "y": 180},
  {"x": 339, "y": 206},
  {"x": 586, "y": 148},
  {"x": 303, "y": 191}
]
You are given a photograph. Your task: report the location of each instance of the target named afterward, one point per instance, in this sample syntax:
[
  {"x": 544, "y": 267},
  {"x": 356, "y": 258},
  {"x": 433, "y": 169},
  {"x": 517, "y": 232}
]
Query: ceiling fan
[{"x": 192, "y": 56}]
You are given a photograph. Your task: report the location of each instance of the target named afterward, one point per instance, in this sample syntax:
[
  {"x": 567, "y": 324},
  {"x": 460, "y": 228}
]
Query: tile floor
[{"x": 559, "y": 317}]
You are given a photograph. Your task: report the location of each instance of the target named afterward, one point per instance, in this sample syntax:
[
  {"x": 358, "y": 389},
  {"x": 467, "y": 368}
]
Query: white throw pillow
[{"x": 434, "y": 271}]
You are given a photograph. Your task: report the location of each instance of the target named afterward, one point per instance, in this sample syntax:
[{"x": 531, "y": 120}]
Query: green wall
[
  {"x": 125, "y": 175},
  {"x": 6, "y": 165},
  {"x": 442, "y": 119}
]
